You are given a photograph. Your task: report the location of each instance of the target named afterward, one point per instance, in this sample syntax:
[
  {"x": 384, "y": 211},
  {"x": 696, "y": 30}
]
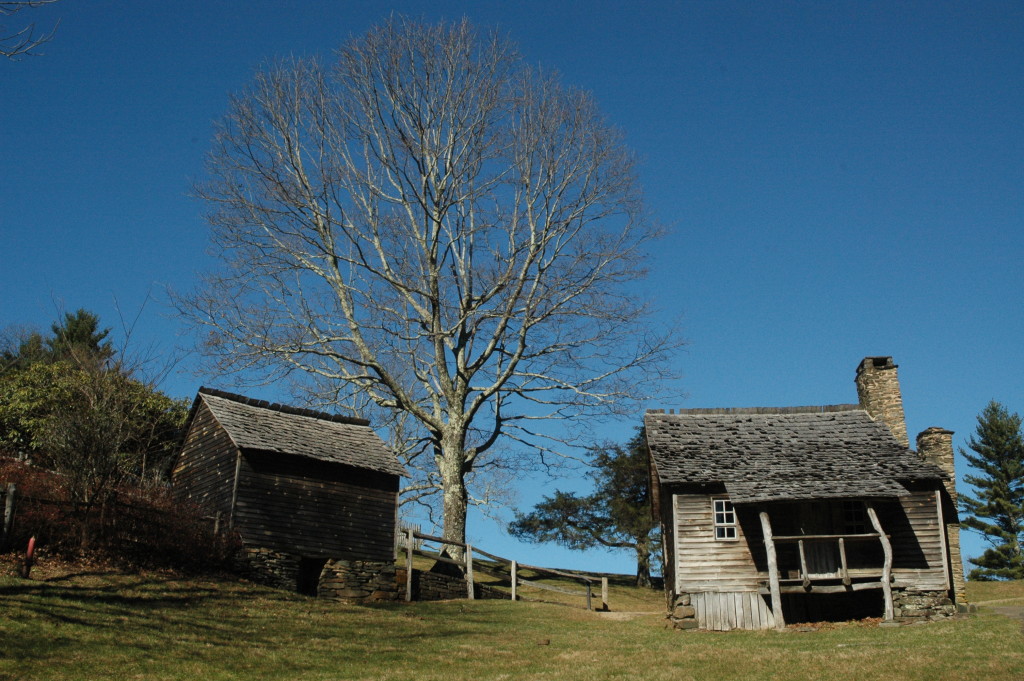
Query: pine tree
[
  {"x": 617, "y": 515},
  {"x": 997, "y": 509}
]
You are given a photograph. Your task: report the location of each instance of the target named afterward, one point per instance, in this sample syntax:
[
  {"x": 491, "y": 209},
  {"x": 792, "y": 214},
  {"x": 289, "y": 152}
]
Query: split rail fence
[{"x": 510, "y": 569}]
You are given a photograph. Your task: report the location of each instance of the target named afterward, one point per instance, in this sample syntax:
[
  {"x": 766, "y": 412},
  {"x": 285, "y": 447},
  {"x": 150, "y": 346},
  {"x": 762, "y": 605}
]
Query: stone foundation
[
  {"x": 270, "y": 568},
  {"x": 359, "y": 581},
  {"x": 347, "y": 580},
  {"x": 683, "y": 615},
  {"x": 921, "y": 606}
]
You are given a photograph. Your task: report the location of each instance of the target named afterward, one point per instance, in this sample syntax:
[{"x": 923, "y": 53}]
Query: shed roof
[
  {"x": 260, "y": 425},
  {"x": 784, "y": 454}
]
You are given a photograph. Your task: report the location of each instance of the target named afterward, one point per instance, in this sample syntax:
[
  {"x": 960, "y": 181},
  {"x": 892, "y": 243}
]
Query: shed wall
[
  {"x": 315, "y": 508},
  {"x": 204, "y": 472}
]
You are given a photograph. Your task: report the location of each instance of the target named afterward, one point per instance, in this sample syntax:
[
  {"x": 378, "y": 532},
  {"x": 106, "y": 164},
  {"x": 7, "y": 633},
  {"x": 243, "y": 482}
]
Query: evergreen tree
[
  {"x": 617, "y": 515},
  {"x": 78, "y": 337},
  {"x": 997, "y": 509}
]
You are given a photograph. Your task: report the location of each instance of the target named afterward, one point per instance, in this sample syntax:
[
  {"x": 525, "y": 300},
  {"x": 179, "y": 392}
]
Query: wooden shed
[
  {"x": 304, "y": 490},
  {"x": 775, "y": 515}
]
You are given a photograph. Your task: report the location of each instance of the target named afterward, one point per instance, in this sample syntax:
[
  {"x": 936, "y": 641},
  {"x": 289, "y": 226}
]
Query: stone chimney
[
  {"x": 935, "y": 445},
  {"x": 878, "y": 390}
]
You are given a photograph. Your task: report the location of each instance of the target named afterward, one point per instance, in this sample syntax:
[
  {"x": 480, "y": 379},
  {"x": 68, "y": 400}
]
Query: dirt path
[
  {"x": 625, "y": 616},
  {"x": 1003, "y": 607}
]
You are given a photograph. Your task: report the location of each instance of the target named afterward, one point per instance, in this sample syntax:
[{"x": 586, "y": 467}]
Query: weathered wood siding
[
  {"x": 720, "y": 611},
  {"x": 704, "y": 564},
  {"x": 917, "y": 543},
  {"x": 315, "y": 508},
  {"x": 205, "y": 470}
]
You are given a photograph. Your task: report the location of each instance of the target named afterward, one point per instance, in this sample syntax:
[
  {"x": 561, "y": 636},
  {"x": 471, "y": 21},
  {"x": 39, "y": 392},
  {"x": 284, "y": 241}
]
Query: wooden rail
[
  {"x": 775, "y": 587},
  {"x": 468, "y": 566}
]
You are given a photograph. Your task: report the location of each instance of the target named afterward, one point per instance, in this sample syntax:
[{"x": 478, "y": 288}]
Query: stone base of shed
[
  {"x": 920, "y": 606},
  {"x": 359, "y": 581},
  {"x": 355, "y": 581},
  {"x": 269, "y": 567}
]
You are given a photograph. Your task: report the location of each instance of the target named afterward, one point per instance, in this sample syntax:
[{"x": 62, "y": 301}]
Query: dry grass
[{"x": 100, "y": 625}]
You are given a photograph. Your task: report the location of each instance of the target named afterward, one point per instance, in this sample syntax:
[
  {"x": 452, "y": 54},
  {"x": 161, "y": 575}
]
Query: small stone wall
[
  {"x": 359, "y": 581},
  {"x": 920, "y": 606},
  {"x": 270, "y": 568},
  {"x": 433, "y": 586}
]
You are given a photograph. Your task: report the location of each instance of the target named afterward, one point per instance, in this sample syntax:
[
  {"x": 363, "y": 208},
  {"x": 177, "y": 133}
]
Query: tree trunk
[
  {"x": 643, "y": 564},
  {"x": 455, "y": 504}
]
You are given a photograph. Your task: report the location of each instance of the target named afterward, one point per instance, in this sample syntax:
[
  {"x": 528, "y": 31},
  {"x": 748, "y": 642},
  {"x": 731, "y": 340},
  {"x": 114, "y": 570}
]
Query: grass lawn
[{"x": 103, "y": 625}]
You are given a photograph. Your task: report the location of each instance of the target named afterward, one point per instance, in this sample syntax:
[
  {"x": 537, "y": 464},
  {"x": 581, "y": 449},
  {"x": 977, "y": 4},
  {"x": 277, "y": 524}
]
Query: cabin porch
[{"x": 840, "y": 548}]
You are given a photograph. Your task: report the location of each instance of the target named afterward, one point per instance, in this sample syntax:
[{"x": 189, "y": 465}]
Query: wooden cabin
[
  {"x": 776, "y": 515},
  {"x": 300, "y": 487}
]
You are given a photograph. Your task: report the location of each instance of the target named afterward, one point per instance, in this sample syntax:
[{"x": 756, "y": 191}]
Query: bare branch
[
  {"x": 23, "y": 42},
  {"x": 432, "y": 228}
]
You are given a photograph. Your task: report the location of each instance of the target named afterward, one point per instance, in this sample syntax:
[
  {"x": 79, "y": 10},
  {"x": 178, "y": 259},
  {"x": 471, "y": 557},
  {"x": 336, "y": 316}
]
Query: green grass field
[{"x": 104, "y": 625}]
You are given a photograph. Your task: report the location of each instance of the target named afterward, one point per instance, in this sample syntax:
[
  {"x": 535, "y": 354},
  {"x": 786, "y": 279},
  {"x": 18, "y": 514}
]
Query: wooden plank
[
  {"x": 822, "y": 537},
  {"x": 471, "y": 595},
  {"x": 440, "y": 540},
  {"x": 515, "y": 579},
  {"x": 826, "y": 588},
  {"x": 773, "y": 571},
  {"x": 943, "y": 550},
  {"x": 887, "y": 565},
  {"x": 234, "y": 488},
  {"x": 408, "y": 564}
]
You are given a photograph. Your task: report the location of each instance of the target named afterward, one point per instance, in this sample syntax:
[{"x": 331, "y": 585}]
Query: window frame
[{"x": 725, "y": 527}]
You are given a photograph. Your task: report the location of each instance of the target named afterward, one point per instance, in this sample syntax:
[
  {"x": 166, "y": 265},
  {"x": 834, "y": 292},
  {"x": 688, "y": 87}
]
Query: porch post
[
  {"x": 887, "y": 565},
  {"x": 773, "y": 571}
]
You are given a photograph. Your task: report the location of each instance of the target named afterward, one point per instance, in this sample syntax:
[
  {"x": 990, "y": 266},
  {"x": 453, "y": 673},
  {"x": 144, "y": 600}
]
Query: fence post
[
  {"x": 469, "y": 571},
  {"x": 604, "y": 594},
  {"x": 408, "y": 564},
  {"x": 8, "y": 515},
  {"x": 515, "y": 578},
  {"x": 589, "y": 605}
]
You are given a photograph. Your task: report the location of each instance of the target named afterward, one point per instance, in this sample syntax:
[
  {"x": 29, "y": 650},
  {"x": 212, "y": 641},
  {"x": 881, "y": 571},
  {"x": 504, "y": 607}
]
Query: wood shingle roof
[
  {"x": 258, "y": 425},
  {"x": 783, "y": 454}
]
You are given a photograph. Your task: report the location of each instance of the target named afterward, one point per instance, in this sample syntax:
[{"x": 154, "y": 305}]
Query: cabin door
[{"x": 822, "y": 556}]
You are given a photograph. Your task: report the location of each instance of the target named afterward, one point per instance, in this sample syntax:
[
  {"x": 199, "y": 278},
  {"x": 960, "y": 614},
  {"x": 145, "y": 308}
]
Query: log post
[
  {"x": 515, "y": 579},
  {"x": 469, "y": 572},
  {"x": 604, "y": 594},
  {"x": 8, "y": 515},
  {"x": 887, "y": 564},
  {"x": 590, "y": 605},
  {"x": 773, "y": 571},
  {"x": 803, "y": 565},
  {"x": 408, "y": 564},
  {"x": 843, "y": 564}
]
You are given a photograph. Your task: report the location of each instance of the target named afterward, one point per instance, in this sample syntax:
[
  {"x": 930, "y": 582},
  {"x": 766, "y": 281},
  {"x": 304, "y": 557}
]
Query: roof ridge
[
  {"x": 284, "y": 408},
  {"x": 818, "y": 409}
]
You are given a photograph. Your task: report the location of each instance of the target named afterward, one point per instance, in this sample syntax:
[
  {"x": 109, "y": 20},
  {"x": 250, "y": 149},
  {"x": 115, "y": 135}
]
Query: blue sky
[{"x": 840, "y": 180}]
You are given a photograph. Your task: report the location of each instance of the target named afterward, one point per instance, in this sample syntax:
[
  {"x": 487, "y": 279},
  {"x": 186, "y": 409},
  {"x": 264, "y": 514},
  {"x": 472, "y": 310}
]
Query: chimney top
[
  {"x": 876, "y": 363},
  {"x": 878, "y": 392}
]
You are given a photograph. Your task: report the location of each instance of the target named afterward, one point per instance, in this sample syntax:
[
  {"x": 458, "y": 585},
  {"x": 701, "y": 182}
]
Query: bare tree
[
  {"x": 27, "y": 39},
  {"x": 434, "y": 227}
]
